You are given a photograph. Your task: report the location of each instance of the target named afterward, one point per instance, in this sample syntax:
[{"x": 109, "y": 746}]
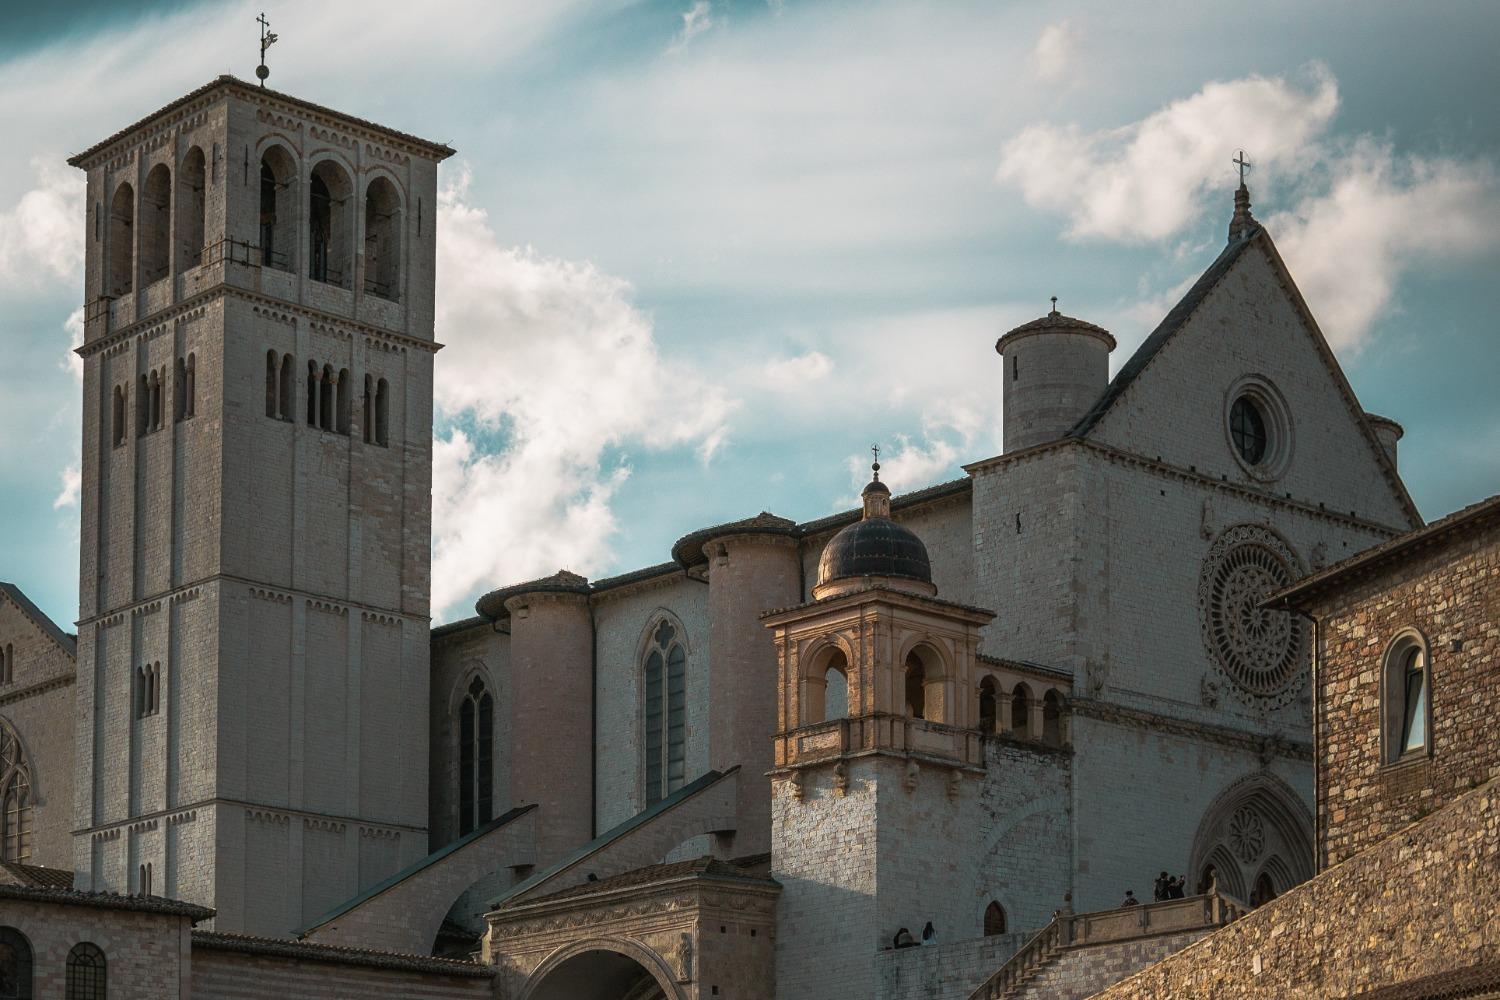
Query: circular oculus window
[{"x": 1258, "y": 428}]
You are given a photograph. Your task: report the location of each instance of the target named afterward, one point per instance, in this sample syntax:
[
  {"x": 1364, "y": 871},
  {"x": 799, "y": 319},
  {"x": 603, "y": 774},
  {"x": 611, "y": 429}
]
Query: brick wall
[
  {"x": 1448, "y": 592},
  {"x": 1420, "y": 902}
]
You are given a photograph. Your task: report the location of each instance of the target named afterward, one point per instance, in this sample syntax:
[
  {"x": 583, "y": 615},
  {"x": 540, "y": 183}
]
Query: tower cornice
[{"x": 225, "y": 289}]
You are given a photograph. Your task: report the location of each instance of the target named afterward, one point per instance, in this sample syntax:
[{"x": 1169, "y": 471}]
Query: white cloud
[
  {"x": 1056, "y": 51},
  {"x": 695, "y": 21},
  {"x": 1145, "y": 181},
  {"x": 949, "y": 432},
  {"x": 71, "y": 362},
  {"x": 552, "y": 358},
  {"x": 1348, "y": 247},
  {"x": 41, "y": 237},
  {"x": 813, "y": 366},
  {"x": 72, "y": 481}
]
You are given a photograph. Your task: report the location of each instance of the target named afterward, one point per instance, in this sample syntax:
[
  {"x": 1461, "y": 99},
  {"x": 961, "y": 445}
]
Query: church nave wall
[
  {"x": 625, "y": 621},
  {"x": 459, "y": 658}
]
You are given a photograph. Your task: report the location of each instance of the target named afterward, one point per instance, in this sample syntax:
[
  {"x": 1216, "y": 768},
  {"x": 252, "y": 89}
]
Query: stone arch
[
  {"x": 825, "y": 653},
  {"x": 1021, "y": 701},
  {"x": 383, "y": 214},
  {"x": 155, "y": 225},
  {"x": 1257, "y": 824},
  {"x": 330, "y": 221},
  {"x": 280, "y": 207},
  {"x": 927, "y": 680},
  {"x": 192, "y": 186},
  {"x": 554, "y": 978},
  {"x": 120, "y": 242},
  {"x": 990, "y": 694}
]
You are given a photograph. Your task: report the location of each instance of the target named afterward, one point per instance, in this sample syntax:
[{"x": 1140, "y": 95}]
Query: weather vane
[
  {"x": 875, "y": 450},
  {"x": 1054, "y": 303},
  {"x": 1243, "y": 164},
  {"x": 267, "y": 39}
]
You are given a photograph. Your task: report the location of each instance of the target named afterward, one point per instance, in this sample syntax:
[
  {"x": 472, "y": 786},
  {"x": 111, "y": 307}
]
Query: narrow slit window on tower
[
  {"x": 368, "y": 423},
  {"x": 156, "y": 216},
  {"x": 325, "y": 399},
  {"x": 155, "y": 416},
  {"x": 192, "y": 385},
  {"x": 312, "y": 394},
  {"x": 118, "y": 415},
  {"x": 382, "y": 413},
  {"x": 142, "y": 406},
  {"x": 121, "y": 243},
  {"x": 180, "y": 392},
  {"x": 191, "y": 209},
  {"x": 344, "y": 402},
  {"x": 284, "y": 404},
  {"x": 273, "y": 367}
]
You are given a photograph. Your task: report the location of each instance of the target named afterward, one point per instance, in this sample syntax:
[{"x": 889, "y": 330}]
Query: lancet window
[
  {"x": 15, "y": 798},
  {"x": 476, "y": 755},
  {"x": 664, "y": 713}
]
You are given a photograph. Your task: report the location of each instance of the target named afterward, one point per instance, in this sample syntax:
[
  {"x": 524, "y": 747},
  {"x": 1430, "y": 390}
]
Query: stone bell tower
[
  {"x": 255, "y": 536},
  {"x": 877, "y": 752}
]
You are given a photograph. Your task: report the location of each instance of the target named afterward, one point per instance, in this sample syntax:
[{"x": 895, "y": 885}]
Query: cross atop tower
[
  {"x": 875, "y": 450},
  {"x": 1243, "y": 164},
  {"x": 267, "y": 39}
]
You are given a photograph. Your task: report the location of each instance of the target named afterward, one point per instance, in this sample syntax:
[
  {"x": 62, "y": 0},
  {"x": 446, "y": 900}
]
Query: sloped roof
[
  {"x": 1482, "y": 980},
  {"x": 307, "y": 951},
  {"x": 417, "y": 866},
  {"x": 1254, "y": 235},
  {"x": 105, "y": 901},
  {"x": 606, "y": 838},
  {"x": 69, "y": 643},
  {"x": 705, "y": 867},
  {"x": 1386, "y": 553},
  {"x": 35, "y": 875}
]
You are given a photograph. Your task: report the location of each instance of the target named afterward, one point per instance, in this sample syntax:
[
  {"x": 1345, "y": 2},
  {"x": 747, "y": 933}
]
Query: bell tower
[
  {"x": 878, "y": 755},
  {"x": 255, "y": 535}
]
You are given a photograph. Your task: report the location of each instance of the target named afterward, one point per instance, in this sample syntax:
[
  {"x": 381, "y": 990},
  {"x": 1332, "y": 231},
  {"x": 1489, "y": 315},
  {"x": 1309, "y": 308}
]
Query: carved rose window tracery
[{"x": 1259, "y": 649}]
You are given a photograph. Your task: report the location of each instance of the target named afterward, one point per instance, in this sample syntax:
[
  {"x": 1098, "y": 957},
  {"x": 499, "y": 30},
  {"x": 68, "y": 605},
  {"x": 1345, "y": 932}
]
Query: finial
[
  {"x": 875, "y": 466},
  {"x": 1054, "y": 305},
  {"x": 267, "y": 39},
  {"x": 1242, "y": 221}
]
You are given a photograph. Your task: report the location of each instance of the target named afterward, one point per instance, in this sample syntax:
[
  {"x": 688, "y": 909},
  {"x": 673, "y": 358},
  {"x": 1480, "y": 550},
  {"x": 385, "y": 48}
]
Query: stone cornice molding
[
  {"x": 257, "y": 589},
  {"x": 39, "y": 687},
  {"x": 1189, "y": 475},
  {"x": 1274, "y": 745},
  {"x": 258, "y": 810},
  {"x": 157, "y": 322}
]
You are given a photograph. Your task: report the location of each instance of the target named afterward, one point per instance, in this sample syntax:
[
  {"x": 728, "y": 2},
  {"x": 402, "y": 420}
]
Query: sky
[{"x": 694, "y": 257}]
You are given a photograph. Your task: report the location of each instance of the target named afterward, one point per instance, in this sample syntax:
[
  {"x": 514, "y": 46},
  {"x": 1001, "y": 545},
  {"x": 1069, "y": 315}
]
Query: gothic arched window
[
  {"x": 328, "y": 224},
  {"x": 277, "y": 236},
  {"x": 994, "y": 920},
  {"x": 15, "y": 799},
  {"x": 664, "y": 711},
  {"x": 382, "y": 239},
  {"x": 86, "y": 973},
  {"x": 121, "y": 245},
  {"x": 476, "y": 758},
  {"x": 15, "y": 965}
]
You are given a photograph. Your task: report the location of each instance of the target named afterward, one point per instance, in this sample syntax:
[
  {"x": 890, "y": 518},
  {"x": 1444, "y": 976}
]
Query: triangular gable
[
  {"x": 68, "y": 643},
  {"x": 1183, "y": 311}
]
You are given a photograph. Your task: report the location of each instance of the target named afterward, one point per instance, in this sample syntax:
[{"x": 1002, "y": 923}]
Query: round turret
[
  {"x": 1056, "y": 367},
  {"x": 1387, "y": 432},
  {"x": 874, "y": 548}
]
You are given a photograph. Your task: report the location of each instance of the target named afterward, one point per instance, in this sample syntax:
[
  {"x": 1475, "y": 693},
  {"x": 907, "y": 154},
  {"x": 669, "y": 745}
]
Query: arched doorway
[
  {"x": 602, "y": 970},
  {"x": 1255, "y": 841}
]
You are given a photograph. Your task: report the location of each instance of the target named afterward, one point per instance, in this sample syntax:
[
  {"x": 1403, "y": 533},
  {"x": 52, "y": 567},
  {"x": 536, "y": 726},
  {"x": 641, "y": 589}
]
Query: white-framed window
[{"x": 1406, "y": 698}]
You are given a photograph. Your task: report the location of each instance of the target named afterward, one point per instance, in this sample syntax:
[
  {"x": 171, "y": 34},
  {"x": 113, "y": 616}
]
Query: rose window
[
  {"x": 1259, "y": 648},
  {"x": 1247, "y": 835}
]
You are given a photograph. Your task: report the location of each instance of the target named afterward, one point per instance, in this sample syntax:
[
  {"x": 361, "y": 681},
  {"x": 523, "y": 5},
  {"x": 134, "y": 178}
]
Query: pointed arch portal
[{"x": 599, "y": 970}]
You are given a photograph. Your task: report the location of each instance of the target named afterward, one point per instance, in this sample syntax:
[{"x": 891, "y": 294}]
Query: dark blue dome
[{"x": 875, "y": 546}]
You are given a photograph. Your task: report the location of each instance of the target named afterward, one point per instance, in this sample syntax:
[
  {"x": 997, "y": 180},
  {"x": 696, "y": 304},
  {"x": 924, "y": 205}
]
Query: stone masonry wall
[
  {"x": 1083, "y": 971},
  {"x": 944, "y": 970},
  {"x": 1420, "y": 902},
  {"x": 1450, "y": 592},
  {"x": 146, "y": 953},
  {"x": 37, "y": 703}
]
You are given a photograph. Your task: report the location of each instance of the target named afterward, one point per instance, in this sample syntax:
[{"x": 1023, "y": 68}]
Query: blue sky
[{"x": 695, "y": 256}]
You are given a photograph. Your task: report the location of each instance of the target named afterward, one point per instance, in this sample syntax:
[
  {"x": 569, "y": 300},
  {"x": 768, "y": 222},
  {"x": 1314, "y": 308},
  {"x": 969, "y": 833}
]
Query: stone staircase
[{"x": 1116, "y": 939}]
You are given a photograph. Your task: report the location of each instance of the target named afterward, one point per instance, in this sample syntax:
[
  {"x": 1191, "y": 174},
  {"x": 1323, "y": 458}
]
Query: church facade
[{"x": 747, "y": 768}]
